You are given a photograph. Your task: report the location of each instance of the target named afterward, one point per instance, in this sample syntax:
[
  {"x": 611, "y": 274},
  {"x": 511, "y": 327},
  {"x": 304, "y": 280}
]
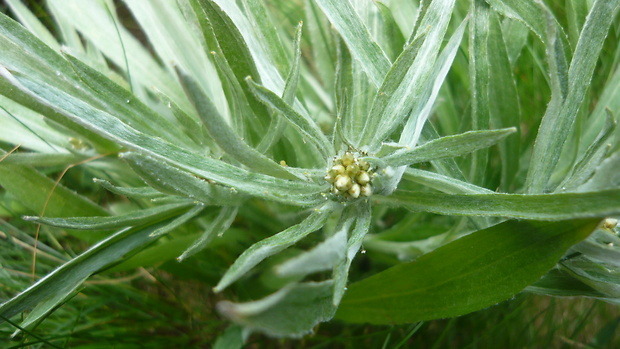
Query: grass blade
[{"x": 52, "y": 289}]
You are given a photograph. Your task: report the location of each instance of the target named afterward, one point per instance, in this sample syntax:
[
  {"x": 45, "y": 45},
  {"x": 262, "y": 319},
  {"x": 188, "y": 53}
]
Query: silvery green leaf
[
  {"x": 319, "y": 31},
  {"x": 268, "y": 74},
  {"x": 526, "y": 11},
  {"x": 276, "y": 128},
  {"x": 479, "y": 75},
  {"x": 96, "y": 24},
  {"x": 170, "y": 32},
  {"x": 363, "y": 216},
  {"x": 304, "y": 124},
  {"x": 103, "y": 93},
  {"x": 292, "y": 311},
  {"x": 390, "y": 98},
  {"x": 443, "y": 183},
  {"x": 225, "y": 136},
  {"x": 105, "y": 124},
  {"x": 142, "y": 192},
  {"x": 515, "y": 35},
  {"x": 136, "y": 218},
  {"x": 449, "y": 146},
  {"x": 342, "y": 15},
  {"x": 217, "y": 227},
  {"x": 43, "y": 159},
  {"x": 561, "y": 206},
  {"x": 560, "y": 116},
  {"x": 504, "y": 107},
  {"x": 607, "y": 102},
  {"x": 274, "y": 244},
  {"x": 601, "y": 247},
  {"x": 596, "y": 275},
  {"x": 179, "y": 220},
  {"x": 560, "y": 283},
  {"x": 30, "y": 21},
  {"x": 427, "y": 88},
  {"x": 257, "y": 14},
  {"x": 173, "y": 180},
  {"x": 606, "y": 175},
  {"x": 321, "y": 257},
  {"x": 591, "y": 159}
]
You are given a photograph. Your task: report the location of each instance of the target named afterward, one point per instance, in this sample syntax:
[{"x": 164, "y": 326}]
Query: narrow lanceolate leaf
[
  {"x": 306, "y": 126},
  {"x": 224, "y": 135},
  {"x": 428, "y": 92},
  {"x": 591, "y": 159},
  {"x": 218, "y": 226},
  {"x": 123, "y": 104},
  {"x": 558, "y": 283},
  {"x": 504, "y": 109},
  {"x": 443, "y": 183},
  {"x": 457, "y": 279},
  {"x": 449, "y": 146},
  {"x": 136, "y": 218},
  {"x": 278, "y": 122},
  {"x": 173, "y": 180},
  {"x": 527, "y": 11},
  {"x": 292, "y": 311},
  {"x": 539, "y": 207},
  {"x": 52, "y": 289},
  {"x": 225, "y": 27},
  {"x": 30, "y": 21},
  {"x": 558, "y": 120},
  {"x": 390, "y": 95},
  {"x": 142, "y": 192},
  {"x": 108, "y": 126},
  {"x": 416, "y": 94},
  {"x": 321, "y": 257},
  {"x": 479, "y": 72},
  {"x": 363, "y": 217},
  {"x": 257, "y": 14},
  {"x": 361, "y": 44},
  {"x": 272, "y": 245}
]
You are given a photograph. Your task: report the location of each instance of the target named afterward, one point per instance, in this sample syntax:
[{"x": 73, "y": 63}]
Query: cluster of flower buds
[{"x": 350, "y": 177}]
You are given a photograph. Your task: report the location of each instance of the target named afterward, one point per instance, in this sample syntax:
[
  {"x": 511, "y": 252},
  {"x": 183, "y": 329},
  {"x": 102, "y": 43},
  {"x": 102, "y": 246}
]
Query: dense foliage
[{"x": 466, "y": 151}]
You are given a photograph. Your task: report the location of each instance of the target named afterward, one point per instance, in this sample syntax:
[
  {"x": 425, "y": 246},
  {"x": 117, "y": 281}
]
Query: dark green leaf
[{"x": 468, "y": 274}]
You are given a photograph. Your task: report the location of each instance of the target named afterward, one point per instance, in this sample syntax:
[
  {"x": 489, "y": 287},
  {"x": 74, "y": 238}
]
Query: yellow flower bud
[
  {"x": 363, "y": 178},
  {"x": 343, "y": 183},
  {"x": 354, "y": 191},
  {"x": 366, "y": 190}
]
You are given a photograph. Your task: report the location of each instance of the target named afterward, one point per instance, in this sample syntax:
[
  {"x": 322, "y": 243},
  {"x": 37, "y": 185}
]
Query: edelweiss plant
[{"x": 215, "y": 118}]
